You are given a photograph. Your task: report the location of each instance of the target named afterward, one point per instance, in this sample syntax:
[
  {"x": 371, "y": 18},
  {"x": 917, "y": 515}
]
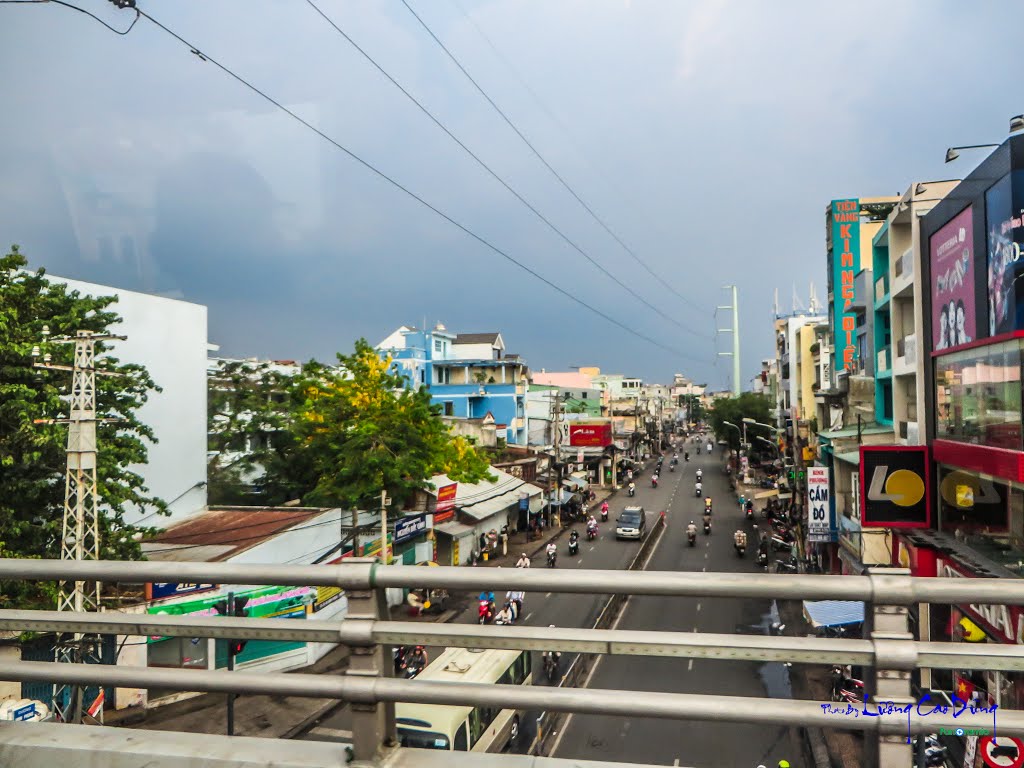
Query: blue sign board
[
  {"x": 158, "y": 590},
  {"x": 25, "y": 713},
  {"x": 409, "y": 527}
]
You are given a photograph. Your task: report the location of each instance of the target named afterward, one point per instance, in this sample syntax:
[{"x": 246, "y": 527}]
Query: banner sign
[
  {"x": 819, "y": 512},
  {"x": 590, "y": 434},
  {"x": 159, "y": 590},
  {"x": 845, "y": 251},
  {"x": 953, "y": 272},
  {"x": 895, "y": 486},
  {"x": 446, "y": 497},
  {"x": 409, "y": 527},
  {"x": 265, "y": 603}
]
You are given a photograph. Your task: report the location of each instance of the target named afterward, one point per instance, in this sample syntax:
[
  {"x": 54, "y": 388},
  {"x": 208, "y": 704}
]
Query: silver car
[{"x": 631, "y": 524}]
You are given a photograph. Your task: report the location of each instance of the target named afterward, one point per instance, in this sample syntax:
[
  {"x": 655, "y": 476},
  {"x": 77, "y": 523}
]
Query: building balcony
[
  {"x": 883, "y": 360},
  {"x": 906, "y": 355},
  {"x": 861, "y": 288},
  {"x": 881, "y": 289},
  {"x": 909, "y": 432},
  {"x": 903, "y": 274}
]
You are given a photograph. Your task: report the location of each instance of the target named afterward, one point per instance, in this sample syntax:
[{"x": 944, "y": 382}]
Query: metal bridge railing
[{"x": 372, "y": 692}]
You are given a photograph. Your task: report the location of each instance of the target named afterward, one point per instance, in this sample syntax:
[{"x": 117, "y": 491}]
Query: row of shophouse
[
  {"x": 551, "y": 435},
  {"x": 901, "y": 399}
]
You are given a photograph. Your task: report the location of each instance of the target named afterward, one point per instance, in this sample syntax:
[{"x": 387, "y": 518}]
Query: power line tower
[{"x": 80, "y": 534}]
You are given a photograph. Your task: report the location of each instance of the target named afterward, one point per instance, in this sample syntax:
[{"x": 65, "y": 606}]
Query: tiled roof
[{"x": 476, "y": 338}]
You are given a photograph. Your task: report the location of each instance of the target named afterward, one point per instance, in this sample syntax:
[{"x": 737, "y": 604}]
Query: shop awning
[
  {"x": 850, "y": 457},
  {"x": 454, "y": 529},
  {"x": 567, "y": 496},
  {"x": 833, "y": 613},
  {"x": 574, "y": 483}
]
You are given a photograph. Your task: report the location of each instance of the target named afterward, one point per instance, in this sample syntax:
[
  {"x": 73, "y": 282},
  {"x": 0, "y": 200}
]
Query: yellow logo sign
[{"x": 903, "y": 487}]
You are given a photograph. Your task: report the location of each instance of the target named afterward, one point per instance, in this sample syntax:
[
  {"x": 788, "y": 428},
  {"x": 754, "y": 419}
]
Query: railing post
[
  {"x": 895, "y": 655},
  {"x": 373, "y": 724}
]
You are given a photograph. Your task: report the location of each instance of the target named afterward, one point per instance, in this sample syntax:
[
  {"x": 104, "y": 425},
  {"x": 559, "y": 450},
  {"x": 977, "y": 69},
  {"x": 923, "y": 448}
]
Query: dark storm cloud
[{"x": 709, "y": 135}]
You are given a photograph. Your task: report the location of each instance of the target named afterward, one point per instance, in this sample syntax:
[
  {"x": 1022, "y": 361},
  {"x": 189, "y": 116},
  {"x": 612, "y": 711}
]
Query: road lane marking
[
  {"x": 528, "y": 616},
  {"x": 675, "y": 762},
  {"x": 548, "y": 595},
  {"x": 698, "y": 608},
  {"x": 591, "y": 549},
  {"x": 689, "y": 668},
  {"x": 705, "y": 555}
]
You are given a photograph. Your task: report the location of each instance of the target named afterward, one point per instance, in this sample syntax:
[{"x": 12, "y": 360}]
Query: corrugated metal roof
[
  {"x": 223, "y": 532},
  {"x": 476, "y": 338}
]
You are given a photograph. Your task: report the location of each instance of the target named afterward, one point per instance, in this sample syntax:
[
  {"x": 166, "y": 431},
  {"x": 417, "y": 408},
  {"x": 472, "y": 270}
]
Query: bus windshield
[{"x": 422, "y": 739}]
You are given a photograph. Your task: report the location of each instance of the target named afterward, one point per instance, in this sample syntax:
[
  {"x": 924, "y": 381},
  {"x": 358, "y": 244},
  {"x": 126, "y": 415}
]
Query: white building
[{"x": 169, "y": 338}]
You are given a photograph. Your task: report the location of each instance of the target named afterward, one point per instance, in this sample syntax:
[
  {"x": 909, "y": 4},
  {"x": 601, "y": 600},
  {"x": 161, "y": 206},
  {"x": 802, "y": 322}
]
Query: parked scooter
[{"x": 787, "y": 566}]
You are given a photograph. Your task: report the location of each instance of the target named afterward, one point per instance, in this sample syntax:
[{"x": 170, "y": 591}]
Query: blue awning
[{"x": 833, "y": 613}]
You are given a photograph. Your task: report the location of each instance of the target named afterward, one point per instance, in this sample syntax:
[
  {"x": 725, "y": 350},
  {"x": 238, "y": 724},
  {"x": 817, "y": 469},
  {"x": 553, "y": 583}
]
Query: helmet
[{"x": 783, "y": 763}]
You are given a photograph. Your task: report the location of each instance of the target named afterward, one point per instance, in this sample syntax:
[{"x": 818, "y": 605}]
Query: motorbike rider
[
  {"x": 686, "y": 455},
  {"x": 505, "y": 615},
  {"x": 516, "y": 599},
  {"x": 632, "y": 488},
  {"x": 591, "y": 525},
  {"x": 556, "y": 655},
  {"x": 707, "y": 520},
  {"x": 691, "y": 531},
  {"x": 552, "y": 551},
  {"x": 707, "y": 504},
  {"x": 604, "y": 510},
  {"x": 523, "y": 562},
  {"x": 654, "y": 479},
  {"x": 740, "y": 539},
  {"x": 698, "y": 487},
  {"x": 700, "y": 474}
]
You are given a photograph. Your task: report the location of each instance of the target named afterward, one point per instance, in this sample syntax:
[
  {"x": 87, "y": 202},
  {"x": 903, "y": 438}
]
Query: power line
[
  {"x": 398, "y": 185},
  {"x": 492, "y": 172},
  {"x": 80, "y": 10},
  {"x": 547, "y": 165},
  {"x": 573, "y": 141}
]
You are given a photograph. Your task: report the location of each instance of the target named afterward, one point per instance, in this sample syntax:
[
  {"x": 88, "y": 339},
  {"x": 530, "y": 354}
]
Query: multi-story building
[{"x": 469, "y": 375}]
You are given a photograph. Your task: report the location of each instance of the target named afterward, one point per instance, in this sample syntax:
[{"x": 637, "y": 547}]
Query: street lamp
[
  {"x": 952, "y": 154},
  {"x": 738, "y": 433},
  {"x": 760, "y": 424}
]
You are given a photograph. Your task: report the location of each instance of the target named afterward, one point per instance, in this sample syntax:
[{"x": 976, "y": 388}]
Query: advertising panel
[
  {"x": 819, "y": 509},
  {"x": 845, "y": 250},
  {"x": 409, "y": 527},
  {"x": 951, "y": 253},
  {"x": 1004, "y": 262},
  {"x": 445, "y": 508},
  {"x": 1002, "y": 622},
  {"x": 590, "y": 434},
  {"x": 265, "y": 603},
  {"x": 158, "y": 590},
  {"x": 895, "y": 486}
]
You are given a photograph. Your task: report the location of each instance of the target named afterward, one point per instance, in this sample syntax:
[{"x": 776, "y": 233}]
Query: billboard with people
[{"x": 951, "y": 252}]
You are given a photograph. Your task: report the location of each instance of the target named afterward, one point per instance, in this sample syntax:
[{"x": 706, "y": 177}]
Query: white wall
[
  {"x": 472, "y": 352},
  {"x": 169, "y": 338}
]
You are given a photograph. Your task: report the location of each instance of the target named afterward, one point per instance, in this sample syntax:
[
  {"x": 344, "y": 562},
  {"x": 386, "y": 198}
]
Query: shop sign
[
  {"x": 1005, "y": 622},
  {"x": 409, "y": 527},
  {"x": 590, "y": 434},
  {"x": 160, "y": 589},
  {"x": 951, "y": 252},
  {"x": 845, "y": 250},
  {"x": 325, "y": 596},
  {"x": 1004, "y": 257},
  {"x": 265, "y": 603},
  {"x": 819, "y": 513},
  {"x": 895, "y": 486},
  {"x": 446, "y": 497}
]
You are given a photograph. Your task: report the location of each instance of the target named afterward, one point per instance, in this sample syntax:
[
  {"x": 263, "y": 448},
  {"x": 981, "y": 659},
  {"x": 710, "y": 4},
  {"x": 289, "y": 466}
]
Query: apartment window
[
  {"x": 583, "y": 395},
  {"x": 423, "y": 376},
  {"x": 438, "y": 345},
  {"x": 449, "y": 408}
]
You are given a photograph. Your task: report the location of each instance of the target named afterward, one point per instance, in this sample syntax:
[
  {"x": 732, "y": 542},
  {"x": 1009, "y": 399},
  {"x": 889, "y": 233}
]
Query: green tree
[
  {"x": 749, "y": 405},
  {"x": 330, "y": 435},
  {"x": 361, "y": 430},
  {"x": 32, "y": 455}
]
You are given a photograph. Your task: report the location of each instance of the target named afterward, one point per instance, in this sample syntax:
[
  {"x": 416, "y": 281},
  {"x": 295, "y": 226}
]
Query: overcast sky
[{"x": 709, "y": 135}]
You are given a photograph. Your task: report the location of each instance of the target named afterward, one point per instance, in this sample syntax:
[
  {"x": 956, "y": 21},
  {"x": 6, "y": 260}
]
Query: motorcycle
[
  {"x": 780, "y": 544},
  {"x": 552, "y": 556},
  {"x": 550, "y": 666},
  {"x": 632, "y": 491},
  {"x": 846, "y": 689},
  {"x": 697, "y": 491},
  {"x": 762, "y": 559},
  {"x": 412, "y": 664},
  {"x": 574, "y": 547},
  {"x": 692, "y": 536},
  {"x": 750, "y": 514},
  {"x": 686, "y": 456},
  {"x": 787, "y": 566},
  {"x": 741, "y": 549},
  {"x": 485, "y": 611},
  {"x": 707, "y": 527},
  {"x": 654, "y": 483},
  {"x": 604, "y": 514},
  {"x": 592, "y": 533},
  {"x": 671, "y": 467}
]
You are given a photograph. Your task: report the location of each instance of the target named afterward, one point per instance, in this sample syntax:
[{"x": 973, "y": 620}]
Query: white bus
[{"x": 465, "y": 728}]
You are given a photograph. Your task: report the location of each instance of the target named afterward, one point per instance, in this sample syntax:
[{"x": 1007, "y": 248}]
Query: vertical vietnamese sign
[
  {"x": 845, "y": 251},
  {"x": 445, "y": 509},
  {"x": 819, "y": 514}
]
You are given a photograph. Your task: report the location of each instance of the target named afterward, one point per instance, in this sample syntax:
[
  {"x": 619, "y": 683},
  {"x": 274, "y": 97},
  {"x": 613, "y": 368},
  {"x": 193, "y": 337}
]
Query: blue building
[{"x": 469, "y": 375}]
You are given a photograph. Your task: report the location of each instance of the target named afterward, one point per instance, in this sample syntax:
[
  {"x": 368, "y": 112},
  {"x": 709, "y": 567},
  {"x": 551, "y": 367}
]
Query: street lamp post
[{"x": 736, "y": 461}]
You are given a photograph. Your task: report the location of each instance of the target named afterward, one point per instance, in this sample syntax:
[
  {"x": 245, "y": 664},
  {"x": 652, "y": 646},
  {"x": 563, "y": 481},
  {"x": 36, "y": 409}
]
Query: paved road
[
  {"x": 559, "y": 609},
  {"x": 646, "y": 740}
]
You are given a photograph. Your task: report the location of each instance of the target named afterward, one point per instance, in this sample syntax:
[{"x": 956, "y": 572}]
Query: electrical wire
[
  {"x": 80, "y": 10},
  {"x": 573, "y": 141},
  {"x": 401, "y": 187},
  {"x": 548, "y": 165},
  {"x": 493, "y": 173}
]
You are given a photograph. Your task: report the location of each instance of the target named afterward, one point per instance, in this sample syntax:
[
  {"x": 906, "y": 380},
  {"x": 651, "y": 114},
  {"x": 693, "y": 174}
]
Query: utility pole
[
  {"x": 556, "y": 439},
  {"x": 384, "y": 501},
  {"x": 735, "y": 331},
  {"x": 80, "y": 533}
]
